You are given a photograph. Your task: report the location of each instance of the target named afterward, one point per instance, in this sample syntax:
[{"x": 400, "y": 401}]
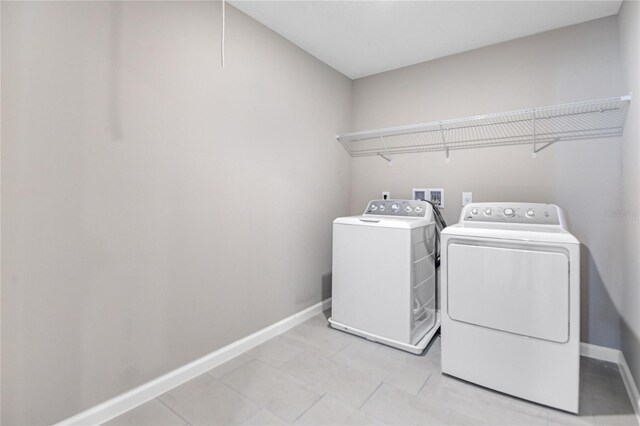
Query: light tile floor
[{"x": 314, "y": 375}]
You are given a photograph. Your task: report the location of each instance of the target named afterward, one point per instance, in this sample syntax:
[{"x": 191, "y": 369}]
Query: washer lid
[
  {"x": 538, "y": 233},
  {"x": 383, "y": 221}
]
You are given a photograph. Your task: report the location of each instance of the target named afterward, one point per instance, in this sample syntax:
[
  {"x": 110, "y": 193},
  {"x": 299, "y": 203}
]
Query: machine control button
[
  {"x": 408, "y": 209},
  {"x": 488, "y": 212},
  {"x": 418, "y": 209},
  {"x": 474, "y": 211},
  {"x": 509, "y": 212},
  {"x": 394, "y": 208},
  {"x": 374, "y": 207},
  {"x": 531, "y": 213},
  {"x": 382, "y": 208}
]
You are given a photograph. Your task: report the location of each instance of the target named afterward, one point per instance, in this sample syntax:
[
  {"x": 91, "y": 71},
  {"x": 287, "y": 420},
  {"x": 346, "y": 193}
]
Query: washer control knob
[
  {"x": 488, "y": 212},
  {"x": 531, "y": 213},
  {"x": 474, "y": 211},
  {"x": 509, "y": 212},
  {"x": 418, "y": 209},
  {"x": 374, "y": 207},
  {"x": 382, "y": 208},
  {"x": 408, "y": 209},
  {"x": 394, "y": 208}
]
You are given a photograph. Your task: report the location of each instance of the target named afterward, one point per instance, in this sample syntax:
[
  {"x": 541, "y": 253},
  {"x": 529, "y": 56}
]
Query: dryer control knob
[
  {"x": 418, "y": 209},
  {"x": 408, "y": 209},
  {"x": 374, "y": 207},
  {"x": 381, "y": 207},
  {"x": 395, "y": 208},
  {"x": 474, "y": 211},
  {"x": 531, "y": 213},
  {"x": 508, "y": 212},
  {"x": 488, "y": 212}
]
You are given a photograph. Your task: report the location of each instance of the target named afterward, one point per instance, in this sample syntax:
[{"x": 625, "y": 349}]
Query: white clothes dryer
[{"x": 511, "y": 302}]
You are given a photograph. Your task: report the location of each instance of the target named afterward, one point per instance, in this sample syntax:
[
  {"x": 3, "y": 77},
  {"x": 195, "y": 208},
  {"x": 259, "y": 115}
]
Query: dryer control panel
[
  {"x": 406, "y": 208},
  {"x": 526, "y": 213}
]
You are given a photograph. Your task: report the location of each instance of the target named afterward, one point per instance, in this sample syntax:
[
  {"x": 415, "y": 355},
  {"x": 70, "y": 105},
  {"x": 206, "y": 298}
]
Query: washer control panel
[
  {"x": 407, "y": 208},
  {"x": 531, "y": 213}
]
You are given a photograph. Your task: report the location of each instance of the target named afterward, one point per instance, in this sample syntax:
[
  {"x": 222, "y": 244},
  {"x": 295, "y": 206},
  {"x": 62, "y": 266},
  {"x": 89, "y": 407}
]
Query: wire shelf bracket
[
  {"x": 387, "y": 156},
  {"x": 541, "y": 127},
  {"x": 534, "y": 153}
]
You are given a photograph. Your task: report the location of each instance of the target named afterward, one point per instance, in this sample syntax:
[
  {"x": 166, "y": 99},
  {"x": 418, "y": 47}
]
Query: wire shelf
[{"x": 540, "y": 127}]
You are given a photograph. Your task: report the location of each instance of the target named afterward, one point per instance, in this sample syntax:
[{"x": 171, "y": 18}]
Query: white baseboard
[
  {"x": 630, "y": 384},
  {"x": 614, "y": 355},
  {"x": 601, "y": 353},
  {"x": 122, "y": 403}
]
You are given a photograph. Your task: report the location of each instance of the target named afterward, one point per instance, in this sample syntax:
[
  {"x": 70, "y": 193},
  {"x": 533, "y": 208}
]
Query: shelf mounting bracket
[
  {"x": 534, "y": 151},
  {"x": 387, "y": 156},
  {"x": 444, "y": 142}
]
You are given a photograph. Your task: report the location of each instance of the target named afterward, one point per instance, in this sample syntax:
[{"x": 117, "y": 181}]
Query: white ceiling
[{"x": 360, "y": 38}]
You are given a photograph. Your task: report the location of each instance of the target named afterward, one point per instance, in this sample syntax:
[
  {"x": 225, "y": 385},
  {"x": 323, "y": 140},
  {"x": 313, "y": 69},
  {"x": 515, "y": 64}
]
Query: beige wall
[
  {"x": 155, "y": 206},
  {"x": 629, "y": 19},
  {"x": 571, "y": 64}
]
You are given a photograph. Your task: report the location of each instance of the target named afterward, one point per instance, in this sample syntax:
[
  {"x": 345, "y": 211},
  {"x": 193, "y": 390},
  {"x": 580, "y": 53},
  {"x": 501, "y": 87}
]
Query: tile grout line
[
  {"x": 233, "y": 389},
  {"x": 369, "y": 397},
  {"x": 257, "y": 404},
  {"x": 425, "y": 383},
  {"x": 363, "y": 373},
  {"x": 348, "y": 345},
  {"x": 172, "y": 410},
  {"x": 268, "y": 411},
  {"x": 210, "y": 372},
  {"x": 288, "y": 376},
  {"x": 341, "y": 366},
  {"x": 309, "y": 407},
  {"x": 320, "y": 391},
  {"x": 293, "y": 342}
]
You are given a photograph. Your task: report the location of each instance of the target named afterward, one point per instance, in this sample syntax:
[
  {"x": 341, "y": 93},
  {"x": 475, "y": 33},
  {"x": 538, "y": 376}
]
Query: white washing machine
[
  {"x": 384, "y": 281},
  {"x": 511, "y": 302}
]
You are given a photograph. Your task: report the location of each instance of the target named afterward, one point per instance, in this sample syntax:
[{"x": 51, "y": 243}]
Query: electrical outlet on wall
[
  {"x": 386, "y": 195},
  {"x": 467, "y": 197}
]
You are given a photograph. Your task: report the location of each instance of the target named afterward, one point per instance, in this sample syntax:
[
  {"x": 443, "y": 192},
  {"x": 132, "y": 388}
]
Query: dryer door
[{"x": 516, "y": 290}]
